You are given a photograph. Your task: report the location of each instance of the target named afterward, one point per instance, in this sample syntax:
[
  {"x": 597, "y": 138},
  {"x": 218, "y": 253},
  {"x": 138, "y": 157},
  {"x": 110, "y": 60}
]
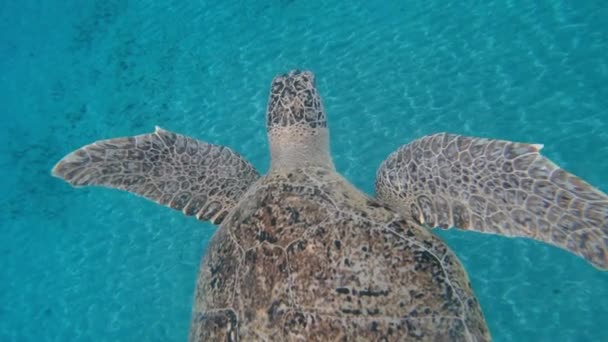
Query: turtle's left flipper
[
  {"x": 496, "y": 186},
  {"x": 179, "y": 172}
]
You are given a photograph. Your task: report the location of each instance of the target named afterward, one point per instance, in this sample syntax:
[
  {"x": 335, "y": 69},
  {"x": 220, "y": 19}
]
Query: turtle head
[
  {"x": 294, "y": 101},
  {"x": 296, "y": 123}
]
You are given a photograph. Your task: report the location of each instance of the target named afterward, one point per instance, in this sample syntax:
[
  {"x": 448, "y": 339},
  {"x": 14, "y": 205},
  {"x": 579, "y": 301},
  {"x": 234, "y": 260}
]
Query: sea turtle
[{"x": 302, "y": 255}]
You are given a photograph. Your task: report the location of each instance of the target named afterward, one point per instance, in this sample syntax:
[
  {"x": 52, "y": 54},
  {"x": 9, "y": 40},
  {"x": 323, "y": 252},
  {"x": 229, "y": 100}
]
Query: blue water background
[{"x": 102, "y": 265}]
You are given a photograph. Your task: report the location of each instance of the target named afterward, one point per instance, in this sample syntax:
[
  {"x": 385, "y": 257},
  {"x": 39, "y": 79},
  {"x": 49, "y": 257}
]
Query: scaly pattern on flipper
[
  {"x": 176, "y": 171},
  {"x": 496, "y": 186}
]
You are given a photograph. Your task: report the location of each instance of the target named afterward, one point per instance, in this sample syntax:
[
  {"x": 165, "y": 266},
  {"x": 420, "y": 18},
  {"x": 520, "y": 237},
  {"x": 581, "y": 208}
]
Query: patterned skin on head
[
  {"x": 294, "y": 100},
  {"x": 296, "y": 123}
]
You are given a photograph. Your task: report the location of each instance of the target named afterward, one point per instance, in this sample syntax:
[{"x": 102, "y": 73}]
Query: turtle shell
[{"x": 307, "y": 257}]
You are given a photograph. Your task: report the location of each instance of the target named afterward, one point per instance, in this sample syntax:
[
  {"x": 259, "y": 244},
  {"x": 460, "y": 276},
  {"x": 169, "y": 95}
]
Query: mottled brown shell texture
[{"x": 306, "y": 257}]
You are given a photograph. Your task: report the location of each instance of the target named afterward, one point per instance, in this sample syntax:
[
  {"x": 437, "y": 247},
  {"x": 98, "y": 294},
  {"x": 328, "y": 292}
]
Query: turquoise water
[{"x": 96, "y": 264}]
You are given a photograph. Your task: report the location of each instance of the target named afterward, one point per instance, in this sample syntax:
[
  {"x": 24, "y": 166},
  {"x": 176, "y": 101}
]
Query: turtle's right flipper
[
  {"x": 496, "y": 186},
  {"x": 185, "y": 174}
]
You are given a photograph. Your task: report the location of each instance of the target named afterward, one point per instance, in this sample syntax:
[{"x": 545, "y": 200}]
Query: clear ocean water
[{"x": 102, "y": 265}]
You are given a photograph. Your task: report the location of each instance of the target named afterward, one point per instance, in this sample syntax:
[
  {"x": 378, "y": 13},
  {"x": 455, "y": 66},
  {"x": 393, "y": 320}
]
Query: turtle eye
[
  {"x": 308, "y": 98},
  {"x": 277, "y": 87}
]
